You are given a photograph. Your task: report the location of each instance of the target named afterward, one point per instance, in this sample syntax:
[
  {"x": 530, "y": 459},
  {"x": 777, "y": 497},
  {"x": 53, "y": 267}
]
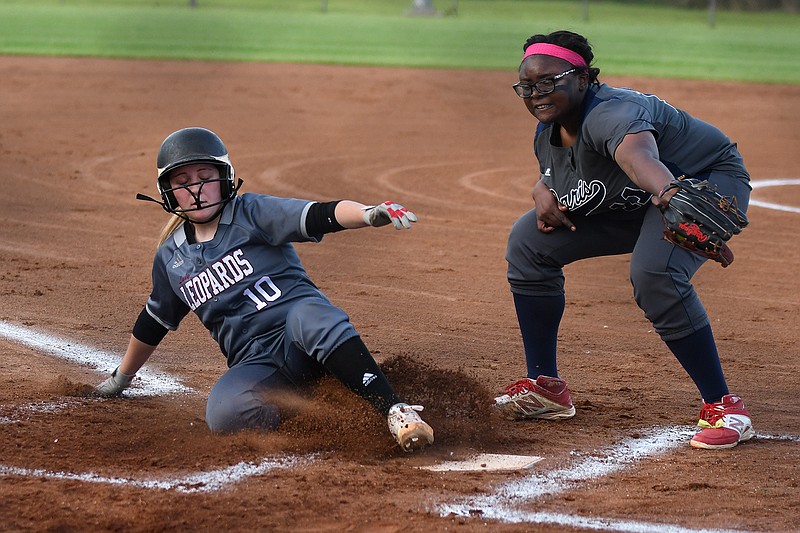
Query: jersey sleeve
[
  {"x": 164, "y": 305},
  {"x": 611, "y": 121},
  {"x": 278, "y": 220}
]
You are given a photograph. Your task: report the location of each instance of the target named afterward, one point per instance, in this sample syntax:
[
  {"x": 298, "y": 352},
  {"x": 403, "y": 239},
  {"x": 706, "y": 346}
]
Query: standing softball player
[
  {"x": 608, "y": 162},
  {"x": 229, "y": 259}
]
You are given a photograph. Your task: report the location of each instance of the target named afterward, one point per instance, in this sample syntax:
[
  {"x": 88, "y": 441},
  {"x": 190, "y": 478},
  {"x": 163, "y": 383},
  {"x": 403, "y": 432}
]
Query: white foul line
[
  {"x": 148, "y": 382},
  {"x": 609, "y": 524},
  {"x": 503, "y": 504},
  {"x": 210, "y": 481},
  {"x": 495, "y": 506}
]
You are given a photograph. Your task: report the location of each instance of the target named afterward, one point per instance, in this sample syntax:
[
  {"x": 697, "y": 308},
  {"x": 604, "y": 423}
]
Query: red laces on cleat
[{"x": 519, "y": 387}]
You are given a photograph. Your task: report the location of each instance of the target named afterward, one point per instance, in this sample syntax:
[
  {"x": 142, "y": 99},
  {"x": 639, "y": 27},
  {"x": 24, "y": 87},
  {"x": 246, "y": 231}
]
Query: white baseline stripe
[
  {"x": 610, "y": 524},
  {"x": 493, "y": 506},
  {"x": 148, "y": 382},
  {"x": 788, "y": 438},
  {"x": 504, "y": 502},
  {"x": 210, "y": 481}
]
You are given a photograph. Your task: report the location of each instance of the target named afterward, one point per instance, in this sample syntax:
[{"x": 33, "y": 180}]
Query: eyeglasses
[{"x": 545, "y": 86}]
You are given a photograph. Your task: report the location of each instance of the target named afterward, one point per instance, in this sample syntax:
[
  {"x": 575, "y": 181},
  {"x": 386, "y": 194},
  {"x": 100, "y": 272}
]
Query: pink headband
[{"x": 554, "y": 50}]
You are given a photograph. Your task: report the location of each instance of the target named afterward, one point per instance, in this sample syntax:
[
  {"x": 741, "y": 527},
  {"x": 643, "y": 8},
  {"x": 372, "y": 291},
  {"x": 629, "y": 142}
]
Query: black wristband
[{"x": 321, "y": 218}]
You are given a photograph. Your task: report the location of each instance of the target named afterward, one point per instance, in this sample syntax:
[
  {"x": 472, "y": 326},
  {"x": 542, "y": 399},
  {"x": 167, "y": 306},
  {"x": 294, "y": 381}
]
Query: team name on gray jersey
[
  {"x": 586, "y": 178},
  {"x": 242, "y": 283},
  {"x": 215, "y": 279}
]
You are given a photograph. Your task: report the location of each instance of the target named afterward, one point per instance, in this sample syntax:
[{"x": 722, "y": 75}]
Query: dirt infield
[{"x": 78, "y": 141}]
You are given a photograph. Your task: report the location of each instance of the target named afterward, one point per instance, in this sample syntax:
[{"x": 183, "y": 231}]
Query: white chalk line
[
  {"x": 758, "y": 184},
  {"x": 503, "y": 504},
  {"x": 537, "y": 486},
  {"x": 607, "y": 524},
  {"x": 541, "y": 484},
  {"x": 199, "y": 482},
  {"x": 151, "y": 383},
  {"x": 495, "y": 506},
  {"x": 788, "y": 438},
  {"x": 148, "y": 382}
]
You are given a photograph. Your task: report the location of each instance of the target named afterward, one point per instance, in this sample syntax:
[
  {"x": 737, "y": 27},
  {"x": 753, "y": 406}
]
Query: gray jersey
[
  {"x": 242, "y": 283},
  {"x": 585, "y": 177}
]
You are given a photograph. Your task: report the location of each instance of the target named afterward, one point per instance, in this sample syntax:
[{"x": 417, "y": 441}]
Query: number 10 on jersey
[{"x": 268, "y": 291}]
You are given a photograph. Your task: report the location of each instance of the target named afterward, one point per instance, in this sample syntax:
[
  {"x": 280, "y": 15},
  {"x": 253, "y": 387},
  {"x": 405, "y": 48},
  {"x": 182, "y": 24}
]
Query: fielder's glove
[
  {"x": 380, "y": 215},
  {"x": 114, "y": 384},
  {"x": 700, "y": 220}
]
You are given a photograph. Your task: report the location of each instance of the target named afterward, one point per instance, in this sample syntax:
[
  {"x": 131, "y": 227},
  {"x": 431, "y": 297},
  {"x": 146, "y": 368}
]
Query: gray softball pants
[
  {"x": 660, "y": 272},
  {"x": 289, "y": 360}
]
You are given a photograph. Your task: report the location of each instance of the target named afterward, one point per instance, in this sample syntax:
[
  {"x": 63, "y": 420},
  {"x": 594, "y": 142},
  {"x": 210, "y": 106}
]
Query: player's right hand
[
  {"x": 114, "y": 384},
  {"x": 550, "y": 213}
]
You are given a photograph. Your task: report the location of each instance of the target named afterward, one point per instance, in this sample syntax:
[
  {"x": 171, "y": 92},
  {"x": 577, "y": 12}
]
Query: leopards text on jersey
[{"x": 242, "y": 283}]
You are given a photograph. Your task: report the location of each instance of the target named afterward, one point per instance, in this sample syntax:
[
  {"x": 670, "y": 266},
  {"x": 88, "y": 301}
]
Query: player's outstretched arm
[
  {"x": 353, "y": 215},
  {"x": 637, "y": 155},
  {"x": 120, "y": 379}
]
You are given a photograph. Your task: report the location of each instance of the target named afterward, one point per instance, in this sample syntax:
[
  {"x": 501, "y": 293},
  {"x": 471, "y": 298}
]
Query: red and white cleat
[
  {"x": 724, "y": 424},
  {"x": 546, "y": 398}
]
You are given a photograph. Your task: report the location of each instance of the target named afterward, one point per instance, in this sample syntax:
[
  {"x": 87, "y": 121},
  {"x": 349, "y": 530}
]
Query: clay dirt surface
[{"x": 78, "y": 140}]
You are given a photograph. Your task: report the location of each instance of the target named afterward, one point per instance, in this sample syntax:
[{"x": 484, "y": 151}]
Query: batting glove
[
  {"x": 114, "y": 384},
  {"x": 380, "y": 215}
]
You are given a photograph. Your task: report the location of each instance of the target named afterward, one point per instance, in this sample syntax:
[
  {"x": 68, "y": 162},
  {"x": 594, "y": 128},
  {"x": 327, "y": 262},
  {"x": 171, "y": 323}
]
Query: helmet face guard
[
  {"x": 171, "y": 203},
  {"x": 187, "y": 147}
]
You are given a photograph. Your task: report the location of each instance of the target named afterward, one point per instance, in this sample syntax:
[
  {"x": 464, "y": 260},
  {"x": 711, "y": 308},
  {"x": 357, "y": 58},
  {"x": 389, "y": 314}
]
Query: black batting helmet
[{"x": 189, "y": 146}]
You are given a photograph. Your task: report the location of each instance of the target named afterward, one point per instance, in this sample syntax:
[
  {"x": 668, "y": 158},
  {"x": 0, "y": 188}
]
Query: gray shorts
[{"x": 290, "y": 359}]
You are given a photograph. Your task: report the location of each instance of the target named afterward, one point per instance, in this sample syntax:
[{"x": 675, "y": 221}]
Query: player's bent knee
[{"x": 227, "y": 417}]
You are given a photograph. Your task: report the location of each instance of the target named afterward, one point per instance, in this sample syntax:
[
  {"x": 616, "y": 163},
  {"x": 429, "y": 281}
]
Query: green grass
[{"x": 487, "y": 34}]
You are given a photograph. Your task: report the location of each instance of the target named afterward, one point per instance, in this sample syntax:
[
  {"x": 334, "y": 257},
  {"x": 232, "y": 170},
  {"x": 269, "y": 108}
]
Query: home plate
[{"x": 486, "y": 462}]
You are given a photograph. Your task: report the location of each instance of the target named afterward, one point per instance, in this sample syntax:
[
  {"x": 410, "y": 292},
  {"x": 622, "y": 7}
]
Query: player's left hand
[
  {"x": 389, "y": 212},
  {"x": 699, "y": 219}
]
